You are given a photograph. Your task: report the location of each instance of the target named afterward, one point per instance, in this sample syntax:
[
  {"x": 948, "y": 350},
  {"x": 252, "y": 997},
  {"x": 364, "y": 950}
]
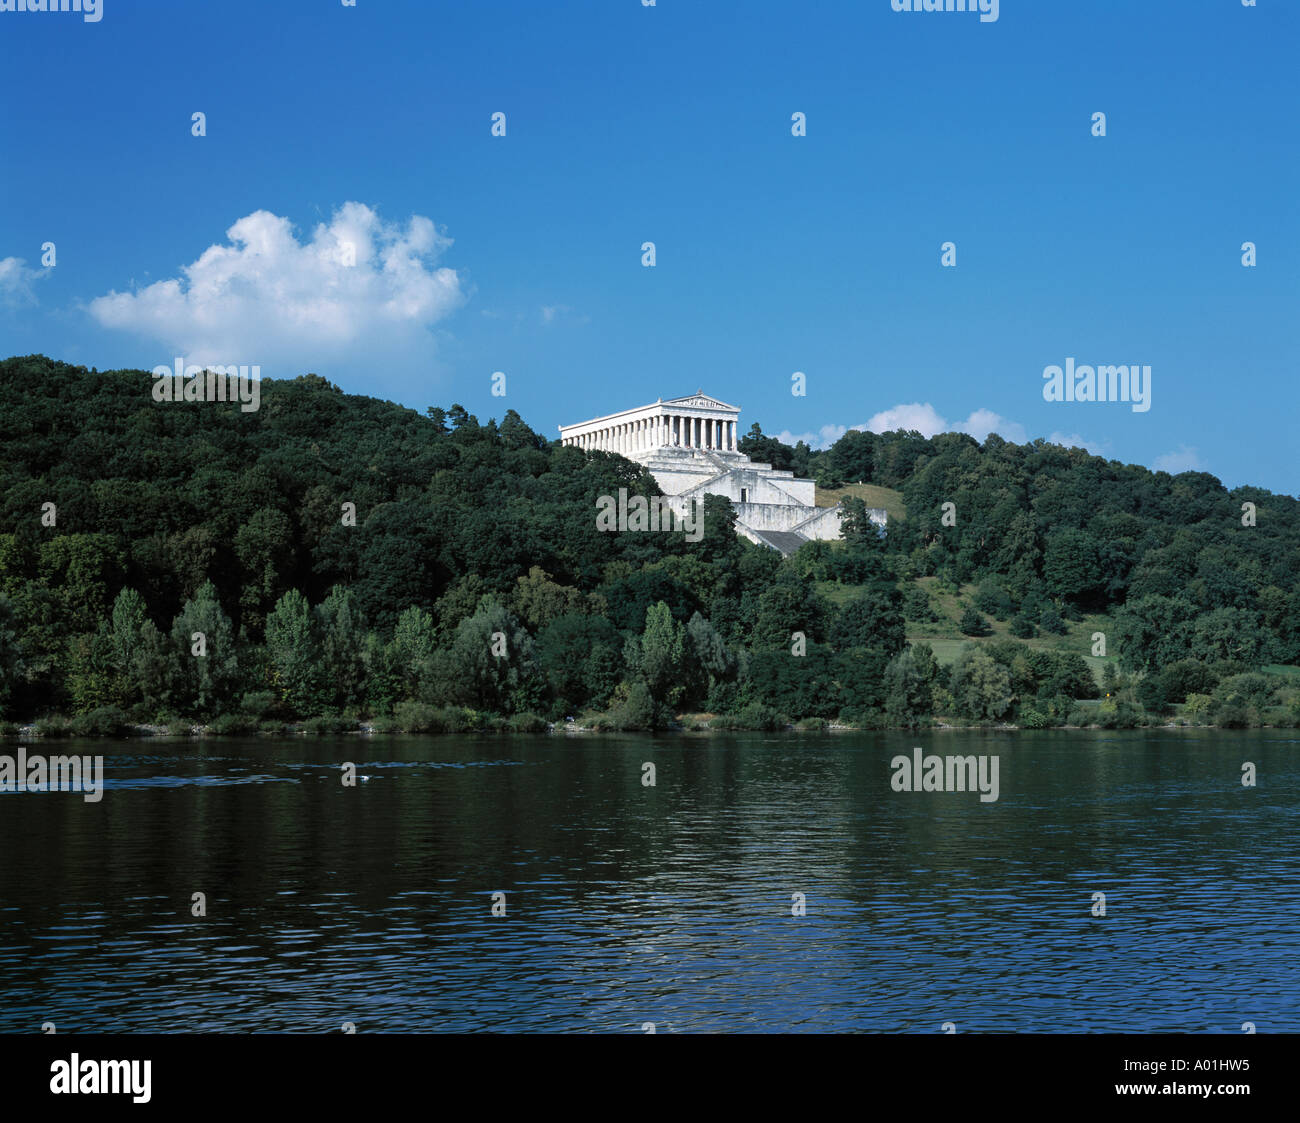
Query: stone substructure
[{"x": 690, "y": 447}]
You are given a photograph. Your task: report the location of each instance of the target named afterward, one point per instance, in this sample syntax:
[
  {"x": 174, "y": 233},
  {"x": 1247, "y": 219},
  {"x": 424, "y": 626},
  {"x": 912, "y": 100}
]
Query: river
[{"x": 630, "y": 907}]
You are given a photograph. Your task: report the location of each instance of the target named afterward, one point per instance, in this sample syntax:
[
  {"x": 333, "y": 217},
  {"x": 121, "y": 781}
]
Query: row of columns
[{"x": 666, "y": 429}]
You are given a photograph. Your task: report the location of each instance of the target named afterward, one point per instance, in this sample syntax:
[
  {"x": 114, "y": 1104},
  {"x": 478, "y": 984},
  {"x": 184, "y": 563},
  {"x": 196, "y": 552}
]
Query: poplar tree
[
  {"x": 204, "y": 682},
  {"x": 294, "y": 652}
]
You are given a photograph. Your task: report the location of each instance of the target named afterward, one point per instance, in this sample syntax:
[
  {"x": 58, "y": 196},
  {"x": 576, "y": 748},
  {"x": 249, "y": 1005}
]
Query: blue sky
[{"x": 672, "y": 124}]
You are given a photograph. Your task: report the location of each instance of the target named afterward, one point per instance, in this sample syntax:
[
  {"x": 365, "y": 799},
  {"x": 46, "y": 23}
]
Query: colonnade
[{"x": 679, "y": 430}]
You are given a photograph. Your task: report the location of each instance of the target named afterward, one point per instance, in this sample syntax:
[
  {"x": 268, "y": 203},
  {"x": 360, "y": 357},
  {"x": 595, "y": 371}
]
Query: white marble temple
[
  {"x": 690, "y": 447},
  {"x": 697, "y": 422}
]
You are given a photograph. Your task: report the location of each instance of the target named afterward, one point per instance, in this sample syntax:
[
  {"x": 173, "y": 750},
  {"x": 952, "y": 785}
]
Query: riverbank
[{"x": 59, "y": 728}]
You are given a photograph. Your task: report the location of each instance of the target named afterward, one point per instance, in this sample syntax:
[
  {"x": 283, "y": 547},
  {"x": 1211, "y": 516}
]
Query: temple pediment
[{"x": 701, "y": 400}]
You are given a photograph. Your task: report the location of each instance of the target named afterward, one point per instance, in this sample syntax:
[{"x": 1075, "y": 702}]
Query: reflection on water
[{"x": 671, "y": 904}]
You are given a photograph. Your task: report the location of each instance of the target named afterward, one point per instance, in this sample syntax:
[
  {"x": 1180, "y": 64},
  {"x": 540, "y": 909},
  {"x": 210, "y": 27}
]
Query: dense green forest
[{"x": 473, "y": 587}]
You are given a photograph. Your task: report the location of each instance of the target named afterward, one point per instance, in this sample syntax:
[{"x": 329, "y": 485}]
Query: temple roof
[{"x": 700, "y": 398}]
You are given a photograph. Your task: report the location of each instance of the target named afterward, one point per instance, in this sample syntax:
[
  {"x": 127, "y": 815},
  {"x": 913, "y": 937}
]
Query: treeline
[
  {"x": 1189, "y": 568},
  {"x": 331, "y": 556}
]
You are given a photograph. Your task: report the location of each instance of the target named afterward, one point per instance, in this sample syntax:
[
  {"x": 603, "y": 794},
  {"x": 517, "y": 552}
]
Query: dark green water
[{"x": 628, "y": 904}]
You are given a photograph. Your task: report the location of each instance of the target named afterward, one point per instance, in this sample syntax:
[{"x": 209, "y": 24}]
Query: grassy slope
[
  {"x": 1282, "y": 669},
  {"x": 946, "y": 639},
  {"x": 943, "y": 635},
  {"x": 870, "y": 494}
]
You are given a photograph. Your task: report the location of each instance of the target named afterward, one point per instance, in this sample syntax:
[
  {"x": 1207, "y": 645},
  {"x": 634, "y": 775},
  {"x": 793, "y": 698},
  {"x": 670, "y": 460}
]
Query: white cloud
[
  {"x": 553, "y": 312},
  {"x": 1182, "y": 459},
  {"x": 16, "y": 282},
  {"x": 827, "y": 436},
  {"x": 359, "y": 286},
  {"x": 984, "y": 421},
  {"x": 1073, "y": 440},
  {"x": 923, "y": 418},
  {"x": 927, "y": 421}
]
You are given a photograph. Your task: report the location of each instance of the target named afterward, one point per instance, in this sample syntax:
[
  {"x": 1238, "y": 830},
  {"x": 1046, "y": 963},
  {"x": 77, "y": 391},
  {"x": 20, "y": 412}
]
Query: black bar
[{"x": 338, "y": 1071}]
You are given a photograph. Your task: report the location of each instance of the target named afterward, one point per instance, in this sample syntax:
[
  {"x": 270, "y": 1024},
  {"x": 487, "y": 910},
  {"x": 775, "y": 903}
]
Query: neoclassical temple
[
  {"x": 691, "y": 447},
  {"x": 694, "y": 422}
]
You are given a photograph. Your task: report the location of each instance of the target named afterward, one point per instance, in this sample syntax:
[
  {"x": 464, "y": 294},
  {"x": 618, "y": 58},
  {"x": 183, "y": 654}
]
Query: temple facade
[
  {"x": 698, "y": 422},
  {"x": 690, "y": 446}
]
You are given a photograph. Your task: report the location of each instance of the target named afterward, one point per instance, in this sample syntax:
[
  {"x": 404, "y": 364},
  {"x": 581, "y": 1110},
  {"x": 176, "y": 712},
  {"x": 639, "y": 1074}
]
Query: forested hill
[
  {"x": 168, "y": 513},
  {"x": 178, "y": 493}
]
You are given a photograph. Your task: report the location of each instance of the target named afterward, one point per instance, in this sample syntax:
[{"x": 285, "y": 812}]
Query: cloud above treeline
[
  {"x": 1182, "y": 459},
  {"x": 926, "y": 420},
  {"x": 357, "y": 286}
]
